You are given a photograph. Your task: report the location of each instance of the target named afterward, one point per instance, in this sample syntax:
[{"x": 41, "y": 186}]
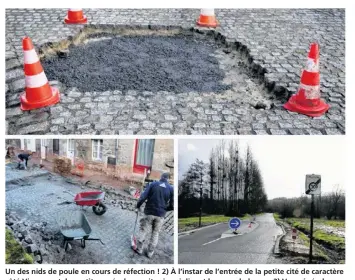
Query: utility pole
[
  {"x": 199, "y": 222},
  {"x": 201, "y": 183}
]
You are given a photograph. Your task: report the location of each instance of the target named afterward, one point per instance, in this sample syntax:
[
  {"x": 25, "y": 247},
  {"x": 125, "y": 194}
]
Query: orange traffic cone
[
  {"x": 207, "y": 18},
  {"x": 307, "y": 100},
  {"x": 75, "y": 16},
  {"x": 38, "y": 93}
]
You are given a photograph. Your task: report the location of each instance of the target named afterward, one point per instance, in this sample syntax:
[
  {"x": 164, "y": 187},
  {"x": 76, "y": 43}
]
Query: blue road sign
[{"x": 234, "y": 223}]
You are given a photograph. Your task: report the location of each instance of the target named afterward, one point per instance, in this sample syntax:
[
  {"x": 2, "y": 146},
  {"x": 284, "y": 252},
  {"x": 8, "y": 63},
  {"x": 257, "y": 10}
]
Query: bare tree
[
  {"x": 331, "y": 205},
  {"x": 212, "y": 173},
  {"x": 332, "y": 202},
  {"x": 234, "y": 184}
]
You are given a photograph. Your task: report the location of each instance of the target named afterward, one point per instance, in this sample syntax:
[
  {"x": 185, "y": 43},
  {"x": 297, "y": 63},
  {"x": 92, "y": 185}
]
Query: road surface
[{"x": 253, "y": 245}]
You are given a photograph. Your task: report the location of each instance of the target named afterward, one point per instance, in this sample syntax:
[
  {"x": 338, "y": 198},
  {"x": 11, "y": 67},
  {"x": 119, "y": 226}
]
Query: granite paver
[{"x": 274, "y": 42}]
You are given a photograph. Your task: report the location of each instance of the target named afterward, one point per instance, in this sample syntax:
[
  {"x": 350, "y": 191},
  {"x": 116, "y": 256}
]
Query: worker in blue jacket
[{"x": 159, "y": 198}]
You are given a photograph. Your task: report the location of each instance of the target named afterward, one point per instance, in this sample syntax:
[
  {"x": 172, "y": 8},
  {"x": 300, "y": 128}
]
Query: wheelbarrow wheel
[{"x": 99, "y": 208}]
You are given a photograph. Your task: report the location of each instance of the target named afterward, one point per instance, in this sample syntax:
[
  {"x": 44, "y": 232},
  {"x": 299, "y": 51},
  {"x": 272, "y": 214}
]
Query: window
[
  {"x": 143, "y": 155},
  {"x": 97, "y": 147}
]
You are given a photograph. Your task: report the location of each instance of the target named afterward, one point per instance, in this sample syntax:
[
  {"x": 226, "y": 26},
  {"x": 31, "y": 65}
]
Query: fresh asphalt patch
[{"x": 178, "y": 63}]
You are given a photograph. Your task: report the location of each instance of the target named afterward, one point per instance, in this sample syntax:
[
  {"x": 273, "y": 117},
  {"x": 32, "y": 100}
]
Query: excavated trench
[{"x": 161, "y": 60}]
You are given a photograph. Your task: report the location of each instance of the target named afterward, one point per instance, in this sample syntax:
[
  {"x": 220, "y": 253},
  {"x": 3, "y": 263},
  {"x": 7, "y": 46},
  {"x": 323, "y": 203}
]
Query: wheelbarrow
[
  {"x": 93, "y": 199},
  {"x": 75, "y": 226}
]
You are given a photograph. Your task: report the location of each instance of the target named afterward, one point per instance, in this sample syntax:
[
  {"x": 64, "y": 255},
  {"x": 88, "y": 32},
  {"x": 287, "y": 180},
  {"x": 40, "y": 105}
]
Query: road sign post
[
  {"x": 311, "y": 235},
  {"x": 234, "y": 224},
  {"x": 313, "y": 187}
]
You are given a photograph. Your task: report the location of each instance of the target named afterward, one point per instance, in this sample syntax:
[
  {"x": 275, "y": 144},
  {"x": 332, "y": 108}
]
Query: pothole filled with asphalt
[{"x": 174, "y": 61}]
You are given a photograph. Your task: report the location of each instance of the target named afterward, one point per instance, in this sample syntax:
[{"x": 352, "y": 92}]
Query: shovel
[{"x": 133, "y": 238}]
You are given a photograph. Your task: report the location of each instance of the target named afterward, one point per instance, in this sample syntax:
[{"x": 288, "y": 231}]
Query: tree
[
  {"x": 248, "y": 168},
  {"x": 189, "y": 188},
  {"x": 232, "y": 184},
  {"x": 331, "y": 205},
  {"x": 332, "y": 202},
  {"x": 212, "y": 174}
]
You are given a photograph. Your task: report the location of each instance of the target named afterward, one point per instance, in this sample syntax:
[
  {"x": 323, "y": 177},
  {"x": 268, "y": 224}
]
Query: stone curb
[{"x": 277, "y": 250}]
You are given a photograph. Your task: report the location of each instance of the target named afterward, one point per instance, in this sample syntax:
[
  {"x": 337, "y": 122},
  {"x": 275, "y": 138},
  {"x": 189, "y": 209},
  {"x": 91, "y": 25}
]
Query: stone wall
[
  {"x": 83, "y": 149},
  {"x": 126, "y": 152},
  {"x": 163, "y": 153},
  {"x": 13, "y": 142},
  {"x": 110, "y": 149}
]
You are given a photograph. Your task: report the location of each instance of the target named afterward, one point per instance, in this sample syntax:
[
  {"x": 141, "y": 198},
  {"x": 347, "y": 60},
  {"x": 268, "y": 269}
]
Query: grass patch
[
  {"x": 304, "y": 238},
  {"x": 329, "y": 239},
  {"x": 332, "y": 223},
  {"x": 299, "y": 224},
  {"x": 305, "y": 222},
  {"x": 318, "y": 251},
  {"x": 277, "y": 217},
  {"x": 15, "y": 254},
  {"x": 192, "y": 222}
]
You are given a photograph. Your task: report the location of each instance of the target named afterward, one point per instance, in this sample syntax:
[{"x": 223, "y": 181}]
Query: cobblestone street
[
  {"x": 273, "y": 42},
  {"x": 43, "y": 200}
]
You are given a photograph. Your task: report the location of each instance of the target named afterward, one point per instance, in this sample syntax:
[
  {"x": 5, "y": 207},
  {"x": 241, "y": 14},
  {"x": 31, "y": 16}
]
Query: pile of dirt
[
  {"x": 62, "y": 165},
  {"x": 10, "y": 153}
]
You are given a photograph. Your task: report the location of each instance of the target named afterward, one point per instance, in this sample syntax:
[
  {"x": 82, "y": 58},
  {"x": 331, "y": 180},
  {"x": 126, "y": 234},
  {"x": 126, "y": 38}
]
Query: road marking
[
  {"x": 222, "y": 237},
  {"x": 212, "y": 241},
  {"x": 226, "y": 235}
]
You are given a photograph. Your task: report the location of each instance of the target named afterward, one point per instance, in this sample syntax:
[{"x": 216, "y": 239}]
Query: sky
[{"x": 284, "y": 161}]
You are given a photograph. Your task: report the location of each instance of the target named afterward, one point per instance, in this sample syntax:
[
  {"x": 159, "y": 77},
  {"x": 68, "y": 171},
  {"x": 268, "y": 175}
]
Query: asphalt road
[{"x": 253, "y": 246}]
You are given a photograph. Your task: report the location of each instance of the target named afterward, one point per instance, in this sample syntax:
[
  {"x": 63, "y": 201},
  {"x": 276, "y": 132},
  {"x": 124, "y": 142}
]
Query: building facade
[{"x": 125, "y": 158}]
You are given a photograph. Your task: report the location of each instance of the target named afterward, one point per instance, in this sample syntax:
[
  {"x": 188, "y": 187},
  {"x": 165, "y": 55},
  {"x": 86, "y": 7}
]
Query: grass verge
[
  {"x": 332, "y": 241},
  {"x": 192, "y": 222},
  {"x": 318, "y": 251},
  {"x": 277, "y": 217},
  {"x": 332, "y": 223}
]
